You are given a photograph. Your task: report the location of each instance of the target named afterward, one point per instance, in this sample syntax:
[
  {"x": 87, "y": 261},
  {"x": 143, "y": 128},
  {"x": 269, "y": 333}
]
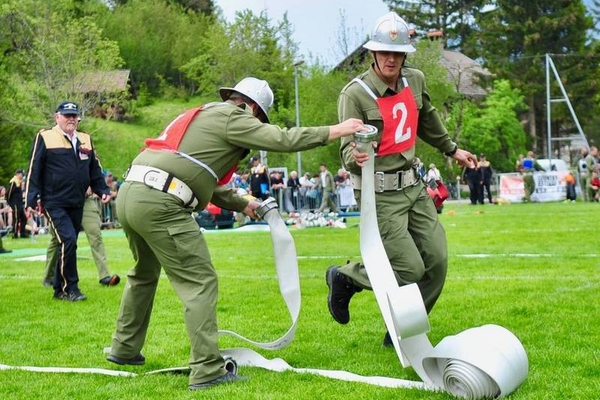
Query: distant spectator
[
  {"x": 313, "y": 194},
  {"x": 472, "y": 175},
  {"x": 345, "y": 191},
  {"x": 277, "y": 185},
  {"x": 519, "y": 163},
  {"x": 594, "y": 187},
  {"x": 486, "y": 175},
  {"x": 16, "y": 202},
  {"x": 327, "y": 200},
  {"x": 259, "y": 180},
  {"x": 5, "y": 211},
  {"x": 293, "y": 192},
  {"x": 585, "y": 165},
  {"x": 529, "y": 165},
  {"x": 433, "y": 174},
  {"x": 570, "y": 183},
  {"x": 243, "y": 184}
]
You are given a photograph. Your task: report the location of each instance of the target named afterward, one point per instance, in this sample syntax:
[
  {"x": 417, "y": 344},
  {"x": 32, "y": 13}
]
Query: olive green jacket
[
  {"x": 355, "y": 102},
  {"x": 220, "y": 136}
]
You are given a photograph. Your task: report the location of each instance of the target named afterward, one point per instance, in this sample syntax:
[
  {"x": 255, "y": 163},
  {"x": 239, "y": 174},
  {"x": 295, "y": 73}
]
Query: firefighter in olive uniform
[
  {"x": 394, "y": 99},
  {"x": 62, "y": 166},
  {"x": 187, "y": 166}
]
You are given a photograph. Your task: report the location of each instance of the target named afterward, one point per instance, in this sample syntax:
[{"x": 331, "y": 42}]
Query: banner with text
[{"x": 549, "y": 186}]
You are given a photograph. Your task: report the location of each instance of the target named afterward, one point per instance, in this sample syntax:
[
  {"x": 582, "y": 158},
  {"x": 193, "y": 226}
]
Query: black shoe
[
  {"x": 387, "y": 340},
  {"x": 229, "y": 377},
  {"x": 110, "y": 280},
  {"x": 136, "y": 360},
  {"x": 71, "y": 296},
  {"x": 341, "y": 291}
]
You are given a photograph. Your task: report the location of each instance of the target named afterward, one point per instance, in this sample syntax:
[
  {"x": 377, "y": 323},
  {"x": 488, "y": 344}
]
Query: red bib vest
[
  {"x": 400, "y": 120},
  {"x": 399, "y": 113},
  {"x": 171, "y": 137}
]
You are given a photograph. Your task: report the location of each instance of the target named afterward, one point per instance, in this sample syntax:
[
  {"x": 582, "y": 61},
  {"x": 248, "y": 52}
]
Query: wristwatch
[{"x": 452, "y": 152}]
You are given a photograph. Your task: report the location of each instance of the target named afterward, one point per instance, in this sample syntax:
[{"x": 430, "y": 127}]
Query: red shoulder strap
[{"x": 171, "y": 137}]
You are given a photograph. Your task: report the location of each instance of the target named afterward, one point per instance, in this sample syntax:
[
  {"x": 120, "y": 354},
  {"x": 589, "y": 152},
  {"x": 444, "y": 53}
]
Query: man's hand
[
  {"x": 105, "y": 198},
  {"x": 465, "y": 158},
  {"x": 346, "y": 128},
  {"x": 361, "y": 158},
  {"x": 249, "y": 210}
]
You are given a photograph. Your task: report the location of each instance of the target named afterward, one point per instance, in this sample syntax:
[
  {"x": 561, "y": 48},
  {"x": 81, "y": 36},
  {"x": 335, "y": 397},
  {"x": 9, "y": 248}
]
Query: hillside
[{"x": 118, "y": 143}]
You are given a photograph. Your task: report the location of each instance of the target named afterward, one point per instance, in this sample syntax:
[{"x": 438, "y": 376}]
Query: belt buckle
[
  {"x": 400, "y": 180},
  {"x": 379, "y": 182}
]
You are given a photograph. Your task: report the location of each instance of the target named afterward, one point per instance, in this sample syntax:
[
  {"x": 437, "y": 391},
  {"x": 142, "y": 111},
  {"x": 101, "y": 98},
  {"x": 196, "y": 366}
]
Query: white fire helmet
[
  {"x": 257, "y": 90},
  {"x": 390, "y": 34}
]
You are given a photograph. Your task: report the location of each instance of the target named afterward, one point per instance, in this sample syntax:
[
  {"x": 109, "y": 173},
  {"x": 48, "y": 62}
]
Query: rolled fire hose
[{"x": 484, "y": 362}]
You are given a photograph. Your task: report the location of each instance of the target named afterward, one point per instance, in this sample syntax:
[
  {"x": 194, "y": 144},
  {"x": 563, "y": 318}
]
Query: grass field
[{"x": 532, "y": 268}]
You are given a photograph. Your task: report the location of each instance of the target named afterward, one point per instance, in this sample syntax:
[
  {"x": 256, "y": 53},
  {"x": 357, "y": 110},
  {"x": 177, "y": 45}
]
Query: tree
[
  {"x": 155, "y": 54},
  {"x": 44, "y": 54},
  {"x": 443, "y": 96},
  {"x": 249, "y": 46},
  {"x": 495, "y": 129},
  {"x": 514, "y": 39},
  {"x": 454, "y": 17}
]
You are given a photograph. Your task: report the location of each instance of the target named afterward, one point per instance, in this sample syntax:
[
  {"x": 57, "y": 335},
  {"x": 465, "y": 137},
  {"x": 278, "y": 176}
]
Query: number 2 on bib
[{"x": 401, "y": 136}]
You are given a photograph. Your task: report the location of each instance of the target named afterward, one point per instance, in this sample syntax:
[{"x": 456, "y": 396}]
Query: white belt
[
  {"x": 161, "y": 180},
  {"x": 391, "y": 181}
]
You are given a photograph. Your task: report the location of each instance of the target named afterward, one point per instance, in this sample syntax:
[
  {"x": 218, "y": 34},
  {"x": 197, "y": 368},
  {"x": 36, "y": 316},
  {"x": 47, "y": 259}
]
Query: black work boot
[
  {"x": 341, "y": 291},
  {"x": 387, "y": 340}
]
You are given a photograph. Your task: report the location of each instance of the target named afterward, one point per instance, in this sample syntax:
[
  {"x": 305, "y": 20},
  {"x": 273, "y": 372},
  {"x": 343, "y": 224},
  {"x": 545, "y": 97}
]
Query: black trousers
[
  {"x": 66, "y": 223},
  {"x": 19, "y": 220}
]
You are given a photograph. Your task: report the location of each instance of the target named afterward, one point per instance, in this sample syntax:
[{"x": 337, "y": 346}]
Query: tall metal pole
[
  {"x": 298, "y": 154},
  {"x": 548, "y": 110}
]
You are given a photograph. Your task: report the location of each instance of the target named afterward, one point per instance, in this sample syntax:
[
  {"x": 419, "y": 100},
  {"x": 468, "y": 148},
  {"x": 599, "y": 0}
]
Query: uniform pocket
[
  {"x": 373, "y": 115},
  {"x": 189, "y": 242}
]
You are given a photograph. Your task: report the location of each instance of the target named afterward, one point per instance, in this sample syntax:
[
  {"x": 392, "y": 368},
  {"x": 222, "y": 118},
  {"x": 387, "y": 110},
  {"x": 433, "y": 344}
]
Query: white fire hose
[{"x": 484, "y": 362}]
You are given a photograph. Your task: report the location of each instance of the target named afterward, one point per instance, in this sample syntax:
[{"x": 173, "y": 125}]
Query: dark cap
[
  {"x": 20, "y": 171},
  {"x": 68, "y": 108}
]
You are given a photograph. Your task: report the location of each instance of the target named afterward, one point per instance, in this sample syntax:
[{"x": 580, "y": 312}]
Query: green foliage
[
  {"x": 46, "y": 50},
  {"x": 427, "y": 59},
  {"x": 249, "y": 46},
  {"x": 58, "y": 50},
  {"x": 154, "y": 52},
  {"x": 453, "y": 17},
  {"x": 516, "y": 35},
  {"x": 494, "y": 129}
]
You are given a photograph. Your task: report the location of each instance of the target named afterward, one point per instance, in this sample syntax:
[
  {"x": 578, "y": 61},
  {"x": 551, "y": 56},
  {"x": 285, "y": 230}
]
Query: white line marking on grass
[
  {"x": 523, "y": 255},
  {"x": 32, "y": 258}
]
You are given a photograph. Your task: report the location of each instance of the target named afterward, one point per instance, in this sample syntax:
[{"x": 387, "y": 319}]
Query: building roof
[
  {"x": 465, "y": 73},
  {"x": 102, "y": 81}
]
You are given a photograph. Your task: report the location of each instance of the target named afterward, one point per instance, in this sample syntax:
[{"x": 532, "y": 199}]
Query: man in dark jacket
[
  {"x": 15, "y": 200},
  {"x": 62, "y": 166}
]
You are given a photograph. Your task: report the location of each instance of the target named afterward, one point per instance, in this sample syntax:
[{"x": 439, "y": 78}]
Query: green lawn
[{"x": 532, "y": 268}]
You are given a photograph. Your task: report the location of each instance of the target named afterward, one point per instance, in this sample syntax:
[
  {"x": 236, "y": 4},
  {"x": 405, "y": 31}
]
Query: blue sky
[{"x": 317, "y": 22}]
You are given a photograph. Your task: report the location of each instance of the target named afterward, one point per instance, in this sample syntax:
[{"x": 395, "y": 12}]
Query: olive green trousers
[
  {"x": 414, "y": 240},
  {"x": 161, "y": 233}
]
